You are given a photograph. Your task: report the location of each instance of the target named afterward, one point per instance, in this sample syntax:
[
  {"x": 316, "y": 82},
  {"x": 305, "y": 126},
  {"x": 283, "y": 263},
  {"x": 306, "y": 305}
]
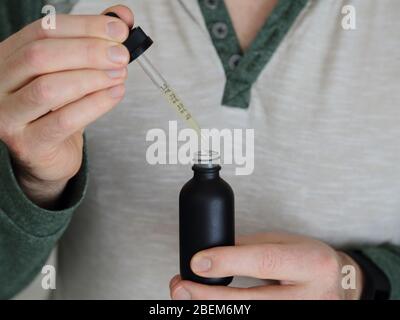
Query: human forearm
[{"x": 27, "y": 232}]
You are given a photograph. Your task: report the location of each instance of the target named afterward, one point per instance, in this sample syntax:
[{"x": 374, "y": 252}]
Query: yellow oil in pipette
[
  {"x": 171, "y": 96},
  {"x": 180, "y": 108},
  {"x": 137, "y": 43}
]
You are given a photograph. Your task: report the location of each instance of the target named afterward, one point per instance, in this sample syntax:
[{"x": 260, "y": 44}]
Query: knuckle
[
  {"x": 35, "y": 55},
  {"x": 41, "y": 33},
  {"x": 47, "y": 133},
  {"x": 328, "y": 263},
  {"x": 269, "y": 261},
  {"x": 40, "y": 92},
  {"x": 95, "y": 82},
  {"x": 63, "y": 123},
  {"x": 91, "y": 51}
]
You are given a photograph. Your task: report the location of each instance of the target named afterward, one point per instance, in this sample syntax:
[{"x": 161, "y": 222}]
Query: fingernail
[
  {"x": 116, "y": 30},
  {"x": 201, "y": 264},
  {"x": 117, "y": 73},
  {"x": 118, "y": 54},
  {"x": 182, "y": 294},
  {"x": 117, "y": 92}
]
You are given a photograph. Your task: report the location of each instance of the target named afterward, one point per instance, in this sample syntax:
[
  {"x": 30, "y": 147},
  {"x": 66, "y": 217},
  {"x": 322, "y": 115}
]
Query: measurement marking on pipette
[
  {"x": 170, "y": 95},
  {"x": 176, "y": 101},
  {"x": 178, "y": 105}
]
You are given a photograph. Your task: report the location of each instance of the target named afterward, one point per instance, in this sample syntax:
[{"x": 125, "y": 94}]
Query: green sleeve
[
  {"x": 15, "y": 14},
  {"x": 387, "y": 258},
  {"x": 28, "y": 233}
]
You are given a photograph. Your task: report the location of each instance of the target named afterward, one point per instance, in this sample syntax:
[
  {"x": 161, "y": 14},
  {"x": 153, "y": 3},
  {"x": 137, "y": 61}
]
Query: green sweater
[{"x": 28, "y": 233}]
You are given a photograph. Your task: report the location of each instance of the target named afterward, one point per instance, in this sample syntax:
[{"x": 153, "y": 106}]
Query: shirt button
[
  {"x": 220, "y": 30},
  {"x": 234, "y": 61},
  {"x": 211, "y": 4}
]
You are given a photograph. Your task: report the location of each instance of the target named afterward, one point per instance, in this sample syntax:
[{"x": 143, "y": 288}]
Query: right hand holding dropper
[{"x": 53, "y": 83}]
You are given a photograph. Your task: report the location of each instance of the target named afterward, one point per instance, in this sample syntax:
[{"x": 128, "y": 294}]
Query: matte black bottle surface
[{"x": 206, "y": 218}]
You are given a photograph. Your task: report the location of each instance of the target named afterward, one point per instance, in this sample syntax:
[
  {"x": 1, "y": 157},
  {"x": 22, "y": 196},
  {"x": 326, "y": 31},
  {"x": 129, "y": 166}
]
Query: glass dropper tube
[
  {"x": 166, "y": 89},
  {"x": 137, "y": 43},
  {"x": 170, "y": 95}
]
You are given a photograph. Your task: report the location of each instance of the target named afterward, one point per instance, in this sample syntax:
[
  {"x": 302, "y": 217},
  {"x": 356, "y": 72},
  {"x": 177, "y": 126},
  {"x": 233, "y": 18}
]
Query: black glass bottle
[{"x": 206, "y": 216}]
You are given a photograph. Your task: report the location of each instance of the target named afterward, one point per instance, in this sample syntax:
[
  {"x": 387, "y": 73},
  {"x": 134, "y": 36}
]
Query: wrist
[
  {"x": 44, "y": 194},
  {"x": 376, "y": 285}
]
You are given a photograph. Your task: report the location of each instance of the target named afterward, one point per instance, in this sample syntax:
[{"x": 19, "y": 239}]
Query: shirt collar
[{"x": 193, "y": 10}]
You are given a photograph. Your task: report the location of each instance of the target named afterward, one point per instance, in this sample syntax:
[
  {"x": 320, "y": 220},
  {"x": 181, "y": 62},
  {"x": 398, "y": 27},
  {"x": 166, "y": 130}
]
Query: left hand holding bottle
[{"x": 303, "y": 268}]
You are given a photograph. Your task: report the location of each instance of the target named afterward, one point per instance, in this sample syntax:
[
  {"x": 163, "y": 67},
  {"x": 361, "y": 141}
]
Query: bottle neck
[{"x": 206, "y": 172}]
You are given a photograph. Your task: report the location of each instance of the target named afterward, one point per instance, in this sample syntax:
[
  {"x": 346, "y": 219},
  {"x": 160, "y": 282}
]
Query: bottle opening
[{"x": 206, "y": 158}]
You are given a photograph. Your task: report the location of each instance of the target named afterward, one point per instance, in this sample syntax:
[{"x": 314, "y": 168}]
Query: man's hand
[
  {"x": 303, "y": 268},
  {"x": 53, "y": 83}
]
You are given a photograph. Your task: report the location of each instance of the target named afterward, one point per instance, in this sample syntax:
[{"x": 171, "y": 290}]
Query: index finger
[{"x": 69, "y": 26}]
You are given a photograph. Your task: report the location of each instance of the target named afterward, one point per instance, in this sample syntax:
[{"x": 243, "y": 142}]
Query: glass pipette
[
  {"x": 168, "y": 92},
  {"x": 137, "y": 43}
]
